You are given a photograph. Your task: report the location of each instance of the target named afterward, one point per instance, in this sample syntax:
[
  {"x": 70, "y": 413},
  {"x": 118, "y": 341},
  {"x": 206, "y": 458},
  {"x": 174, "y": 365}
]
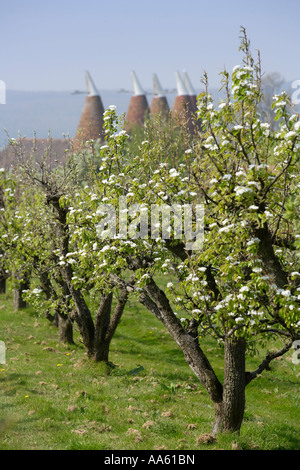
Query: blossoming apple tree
[
  {"x": 37, "y": 240},
  {"x": 243, "y": 285}
]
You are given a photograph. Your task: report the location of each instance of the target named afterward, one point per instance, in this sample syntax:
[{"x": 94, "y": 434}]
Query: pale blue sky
[{"x": 47, "y": 45}]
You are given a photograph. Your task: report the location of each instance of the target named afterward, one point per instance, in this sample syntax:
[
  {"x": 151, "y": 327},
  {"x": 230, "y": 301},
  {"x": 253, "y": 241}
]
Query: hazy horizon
[{"x": 27, "y": 113}]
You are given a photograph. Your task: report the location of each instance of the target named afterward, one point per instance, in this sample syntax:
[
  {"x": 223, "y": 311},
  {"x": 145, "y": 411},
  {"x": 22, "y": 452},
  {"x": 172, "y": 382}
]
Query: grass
[{"x": 53, "y": 398}]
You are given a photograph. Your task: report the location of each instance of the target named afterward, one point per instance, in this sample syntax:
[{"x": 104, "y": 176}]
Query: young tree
[
  {"x": 64, "y": 282},
  {"x": 11, "y": 267},
  {"x": 242, "y": 286},
  {"x": 3, "y": 273},
  {"x": 28, "y": 246}
]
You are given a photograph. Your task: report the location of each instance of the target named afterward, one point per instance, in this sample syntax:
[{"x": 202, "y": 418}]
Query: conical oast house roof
[
  {"x": 138, "y": 107},
  {"x": 193, "y": 96},
  {"x": 182, "y": 104},
  {"x": 91, "y": 120},
  {"x": 159, "y": 103},
  {"x": 190, "y": 90}
]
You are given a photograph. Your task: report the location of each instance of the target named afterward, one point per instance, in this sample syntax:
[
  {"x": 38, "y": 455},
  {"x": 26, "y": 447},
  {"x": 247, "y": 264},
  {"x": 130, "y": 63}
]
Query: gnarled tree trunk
[
  {"x": 106, "y": 325},
  {"x": 96, "y": 335},
  {"x": 65, "y": 327},
  {"x": 229, "y": 398},
  {"x": 229, "y": 412},
  {"x": 23, "y": 284},
  {"x": 60, "y": 318}
]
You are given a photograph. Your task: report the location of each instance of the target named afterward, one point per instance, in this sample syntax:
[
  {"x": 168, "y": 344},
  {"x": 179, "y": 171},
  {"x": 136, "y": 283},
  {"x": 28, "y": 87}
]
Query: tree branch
[
  {"x": 266, "y": 362},
  {"x": 188, "y": 343}
]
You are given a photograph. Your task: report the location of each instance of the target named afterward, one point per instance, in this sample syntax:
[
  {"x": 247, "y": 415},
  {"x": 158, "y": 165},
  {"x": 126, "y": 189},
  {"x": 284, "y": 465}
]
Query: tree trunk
[
  {"x": 2, "y": 285},
  {"x": 65, "y": 326},
  {"x": 271, "y": 263},
  {"x": 18, "y": 300},
  {"x": 96, "y": 336},
  {"x": 101, "y": 347},
  {"x": 158, "y": 303},
  {"x": 102, "y": 352},
  {"x": 106, "y": 324},
  {"x": 82, "y": 314},
  {"x": 230, "y": 412}
]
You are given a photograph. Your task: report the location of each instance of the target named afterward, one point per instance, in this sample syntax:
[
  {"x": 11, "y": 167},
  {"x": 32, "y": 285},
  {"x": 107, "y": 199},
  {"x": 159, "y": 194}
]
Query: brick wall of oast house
[
  {"x": 193, "y": 100},
  {"x": 194, "y": 109},
  {"x": 137, "y": 110},
  {"x": 182, "y": 110},
  {"x": 160, "y": 105},
  {"x": 91, "y": 121}
]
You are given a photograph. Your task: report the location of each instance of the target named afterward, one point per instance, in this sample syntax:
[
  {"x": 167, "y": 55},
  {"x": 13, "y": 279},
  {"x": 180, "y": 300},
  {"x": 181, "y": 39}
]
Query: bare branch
[{"x": 266, "y": 362}]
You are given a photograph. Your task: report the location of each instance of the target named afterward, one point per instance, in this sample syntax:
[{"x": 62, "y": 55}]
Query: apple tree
[{"x": 242, "y": 286}]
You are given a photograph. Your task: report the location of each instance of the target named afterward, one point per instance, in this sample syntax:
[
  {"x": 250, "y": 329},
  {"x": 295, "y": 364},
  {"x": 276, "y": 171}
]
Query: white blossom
[
  {"x": 239, "y": 319},
  {"x": 268, "y": 213},
  {"x": 196, "y": 310},
  {"x": 289, "y": 135},
  {"x": 202, "y": 269},
  {"x": 253, "y": 183},
  {"x": 253, "y": 241},
  {"x": 297, "y": 126},
  {"x": 173, "y": 172},
  {"x": 227, "y": 228},
  {"x": 282, "y": 103},
  {"x": 257, "y": 270},
  {"x": 105, "y": 248},
  {"x": 239, "y": 190},
  {"x": 244, "y": 289},
  {"x": 36, "y": 291}
]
